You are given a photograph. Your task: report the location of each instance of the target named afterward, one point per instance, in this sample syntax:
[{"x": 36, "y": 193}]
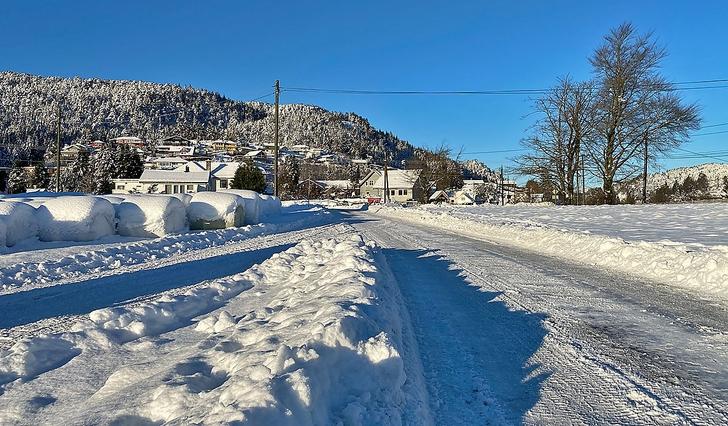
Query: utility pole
[
  {"x": 644, "y": 175},
  {"x": 275, "y": 140},
  {"x": 58, "y": 150},
  {"x": 386, "y": 179},
  {"x": 502, "y": 190},
  {"x": 583, "y": 181}
]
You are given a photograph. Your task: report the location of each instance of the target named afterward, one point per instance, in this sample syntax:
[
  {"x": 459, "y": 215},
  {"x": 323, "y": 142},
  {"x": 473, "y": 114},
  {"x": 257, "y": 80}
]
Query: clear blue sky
[{"x": 239, "y": 48}]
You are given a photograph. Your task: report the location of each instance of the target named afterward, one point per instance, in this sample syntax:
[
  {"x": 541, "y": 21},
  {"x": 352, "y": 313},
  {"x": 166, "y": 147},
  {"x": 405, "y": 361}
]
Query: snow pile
[
  {"x": 252, "y": 204},
  {"x": 270, "y": 206},
  {"x": 75, "y": 218},
  {"x": 113, "y": 199},
  {"x": 322, "y": 347},
  {"x": 150, "y": 216},
  {"x": 212, "y": 210},
  {"x": 3, "y": 232},
  {"x": 18, "y": 221},
  {"x": 704, "y": 269},
  {"x": 54, "y": 270}
]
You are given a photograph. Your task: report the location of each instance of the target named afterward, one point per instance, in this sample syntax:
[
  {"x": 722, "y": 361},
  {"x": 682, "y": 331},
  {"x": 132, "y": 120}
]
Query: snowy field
[
  {"x": 684, "y": 245},
  {"x": 693, "y": 225}
]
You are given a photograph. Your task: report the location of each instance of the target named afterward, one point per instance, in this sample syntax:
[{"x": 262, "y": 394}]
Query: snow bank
[
  {"x": 252, "y": 204},
  {"x": 113, "y": 199},
  {"x": 19, "y": 222},
  {"x": 704, "y": 270},
  {"x": 3, "y": 232},
  {"x": 54, "y": 270},
  {"x": 212, "y": 210},
  {"x": 323, "y": 349},
  {"x": 75, "y": 218},
  {"x": 150, "y": 216}
]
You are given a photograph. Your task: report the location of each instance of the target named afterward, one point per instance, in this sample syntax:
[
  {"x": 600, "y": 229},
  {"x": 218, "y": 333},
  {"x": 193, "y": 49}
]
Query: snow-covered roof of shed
[
  {"x": 437, "y": 194},
  {"x": 335, "y": 183},
  {"x": 399, "y": 178},
  {"x": 152, "y": 176}
]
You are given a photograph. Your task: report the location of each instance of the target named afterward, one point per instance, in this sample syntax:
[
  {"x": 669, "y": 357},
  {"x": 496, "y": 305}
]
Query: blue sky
[{"x": 239, "y": 48}]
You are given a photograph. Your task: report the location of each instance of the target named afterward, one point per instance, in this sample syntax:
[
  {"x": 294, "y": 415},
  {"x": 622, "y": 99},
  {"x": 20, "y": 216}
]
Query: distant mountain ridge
[{"x": 97, "y": 109}]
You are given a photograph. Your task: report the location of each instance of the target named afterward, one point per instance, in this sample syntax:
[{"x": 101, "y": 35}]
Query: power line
[
  {"x": 710, "y": 133},
  {"x": 492, "y": 92}
]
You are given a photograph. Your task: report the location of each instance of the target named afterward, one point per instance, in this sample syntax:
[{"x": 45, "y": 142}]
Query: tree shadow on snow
[
  {"x": 86, "y": 296},
  {"x": 473, "y": 348}
]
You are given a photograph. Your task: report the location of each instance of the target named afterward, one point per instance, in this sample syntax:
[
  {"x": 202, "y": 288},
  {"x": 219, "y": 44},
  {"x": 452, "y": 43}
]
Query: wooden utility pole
[
  {"x": 583, "y": 181},
  {"x": 502, "y": 190},
  {"x": 644, "y": 175},
  {"x": 386, "y": 178},
  {"x": 275, "y": 141},
  {"x": 58, "y": 150}
]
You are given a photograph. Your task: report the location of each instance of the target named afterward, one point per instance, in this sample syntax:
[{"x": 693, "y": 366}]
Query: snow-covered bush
[
  {"x": 252, "y": 204},
  {"x": 75, "y": 218},
  {"x": 150, "y": 216},
  {"x": 215, "y": 210},
  {"x": 19, "y": 220}
]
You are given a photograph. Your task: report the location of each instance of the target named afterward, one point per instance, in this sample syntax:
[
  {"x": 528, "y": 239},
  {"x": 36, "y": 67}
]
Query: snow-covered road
[{"x": 510, "y": 336}]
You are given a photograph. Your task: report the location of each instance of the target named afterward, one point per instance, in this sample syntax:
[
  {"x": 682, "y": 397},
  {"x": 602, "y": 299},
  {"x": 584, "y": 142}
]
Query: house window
[
  {"x": 167, "y": 189},
  {"x": 190, "y": 188},
  {"x": 176, "y": 189},
  {"x": 182, "y": 189},
  {"x": 391, "y": 192},
  {"x": 400, "y": 192},
  {"x": 405, "y": 192},
  {"x": 119, "y": 186},
  {"x": 224, "y": 184}
]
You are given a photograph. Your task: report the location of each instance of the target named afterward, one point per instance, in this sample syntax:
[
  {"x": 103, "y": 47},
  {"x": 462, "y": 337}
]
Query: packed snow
[
  {"x": 310, "y": 336},
  {"x": 682, "y": 245}
]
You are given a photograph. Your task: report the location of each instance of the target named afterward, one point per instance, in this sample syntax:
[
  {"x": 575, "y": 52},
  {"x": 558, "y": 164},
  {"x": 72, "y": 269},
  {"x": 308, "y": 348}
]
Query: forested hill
[{"x": 99, "y": 109}]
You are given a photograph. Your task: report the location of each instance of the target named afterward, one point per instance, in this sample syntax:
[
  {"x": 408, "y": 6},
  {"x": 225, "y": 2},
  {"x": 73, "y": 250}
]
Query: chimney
[
  {"x": 208, "y": 165},
  {"x": 187, "y": 169}
]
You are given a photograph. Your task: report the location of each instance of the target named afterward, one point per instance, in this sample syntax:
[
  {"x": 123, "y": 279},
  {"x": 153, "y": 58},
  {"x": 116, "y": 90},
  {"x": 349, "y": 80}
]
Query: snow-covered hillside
[
  {"x": 96, "y": 109},
  {"x": 716, "y": 174}
]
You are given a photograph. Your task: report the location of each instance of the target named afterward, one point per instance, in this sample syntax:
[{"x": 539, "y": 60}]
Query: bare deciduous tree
[
  {"x": 633, "y": 106},
  {"x": 556, "y": 143}
]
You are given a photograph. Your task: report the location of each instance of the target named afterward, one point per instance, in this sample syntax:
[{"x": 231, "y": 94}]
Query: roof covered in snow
[
  {"x": 161, "y": 176},
  {"x": 399, "y": 179},
  {"x": 219, "y": 170}
]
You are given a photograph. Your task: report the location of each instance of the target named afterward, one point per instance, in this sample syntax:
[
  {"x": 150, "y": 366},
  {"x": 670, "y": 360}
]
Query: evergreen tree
[
  {"x": 289, "y": 178},
  {"x": 662, "y": 194},
  {"x": 676, "y": 188},
  {"x": 41, "y": 178},
  {"x": 688, "y": 187},
  {"x": 725, "y": 185},
  {"x": 354, "y": 175},
  {"x": 702, "y": 185},
  {"x": 17, "y": 182},
  {"x": 248, "y": 176},
  {"x": 77, "y": 176},
  {"x": 103, "y": 169},
  {"x": 128, "y": 163}
]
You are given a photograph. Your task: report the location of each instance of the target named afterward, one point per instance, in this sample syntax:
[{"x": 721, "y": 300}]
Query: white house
[
  {"x": 463, "y": 198},
  {"x": 221, "y": 173},
  {"x": 404, "y": 185}
]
